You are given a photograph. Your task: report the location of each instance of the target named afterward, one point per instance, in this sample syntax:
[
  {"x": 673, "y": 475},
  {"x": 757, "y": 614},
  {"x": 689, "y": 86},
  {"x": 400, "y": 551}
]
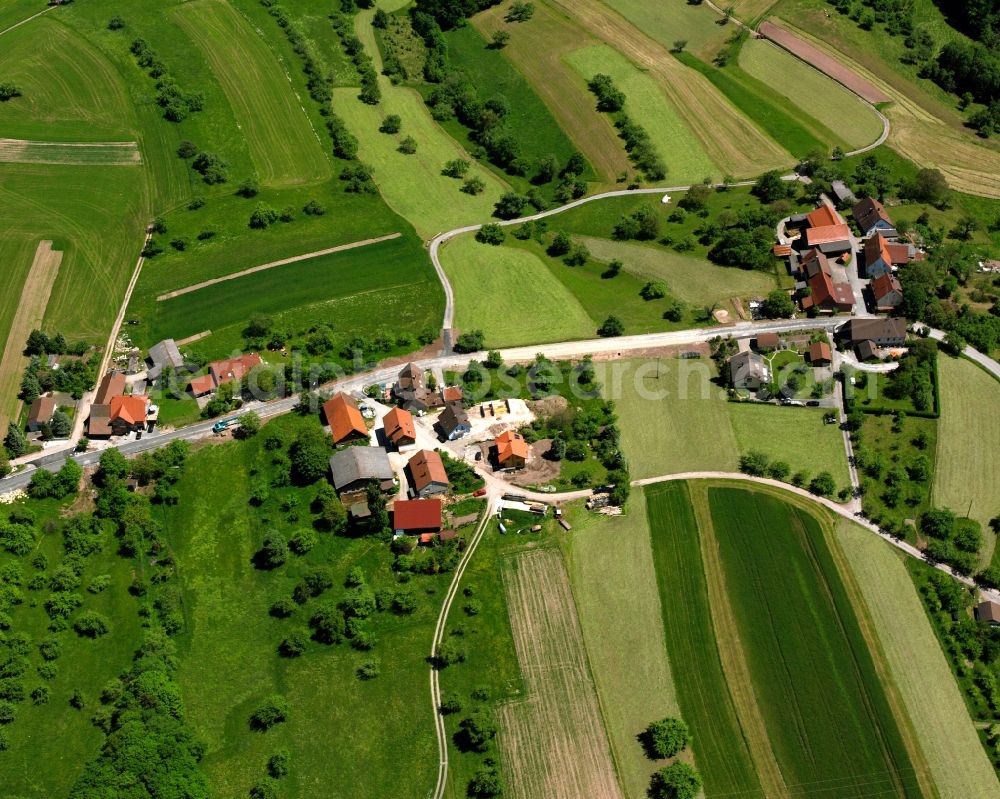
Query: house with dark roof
[
  {"x": 884, "y": 257},
  {"x": 887, "y": 291},
  {"x": 427, "y": 474},
  {"x": 411, "y": 391},
  {"x": 345, "y": 420},
  {"x": 988, "y": 612},
  {"x": 454, "y": 421},
  {"x": 881, "y": 332},
  {"x": 511, "y": 450},
  {"x": 820, "y": 354},
  {"x": 867, "y": 351},
  {"x": 400, "y": 429},
  {"x": 353, "y": 468},
  {"x": 767, "y": 342},
  {"x": 749, "y": 370},
  {"x": 871, "y": 217},
  {"x": 162, "y": 355},
  {"x": 40, "y": 413},
  {"x": 824, "y": 295},
  {"x": 416, "y": 516}
]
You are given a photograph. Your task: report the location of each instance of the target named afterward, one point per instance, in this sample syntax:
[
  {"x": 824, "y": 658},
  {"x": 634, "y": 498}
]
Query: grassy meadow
[
  {"x": 826, "y": 713},
  {"x": 668, "y": 22},
  {"x": 286, "y": 150}
]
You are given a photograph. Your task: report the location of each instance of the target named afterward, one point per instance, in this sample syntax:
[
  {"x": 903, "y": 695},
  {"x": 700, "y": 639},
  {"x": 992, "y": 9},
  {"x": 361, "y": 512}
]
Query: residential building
[
  {"x": 749, "y": 370},
  {"x": 887, "y": 291},
  {"x": 767, "y": 342},
  {"x": 128, "y": 414},
  {"x": 411, "y": 391},
  {"x": 399, "y": 428},
  {"x": 454, "y": 421},
  {"x": 416, "y": 516},
  {"x": 112, "y": 384},
  {"x": 881, "y": 332},
  {"x": 511, "y": 450},
  {"x": 827, "y": 231},
  {"x": 820, "y": 354},
  {"x": 884, "y": 257},
  {"x": 161, "y": 355},
  {"x": 230, "y": 370},
  {"x": 989, "y": 613},
  {"x": 452, "y": 394},
  {"x": 41, "y": 413},
  {"x": 353, "y": 468},
  {"x": 871, "y": 216},
  {"x": 345, "y": 420},
  {"x": 825, "y": 296},
  {"x": 427, "y": 474}
]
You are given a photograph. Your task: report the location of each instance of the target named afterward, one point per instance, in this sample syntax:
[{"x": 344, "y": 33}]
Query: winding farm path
[{"x": 25, "y": 21}]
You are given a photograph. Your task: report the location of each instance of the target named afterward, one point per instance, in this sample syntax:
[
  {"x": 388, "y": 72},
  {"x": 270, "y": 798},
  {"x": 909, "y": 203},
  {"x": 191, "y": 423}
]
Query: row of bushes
[
  {"x": 175, "y": 102},
  {"x": 353, "y": 46},
  {"x": 638, "y": 144}
]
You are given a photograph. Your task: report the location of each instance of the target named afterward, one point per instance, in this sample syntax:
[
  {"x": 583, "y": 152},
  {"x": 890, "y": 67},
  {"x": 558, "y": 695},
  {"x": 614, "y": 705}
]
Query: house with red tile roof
[
  {"x": 230, "y": 370},
  {"x": 427, "y": 474},
  {"x": 400, "y": 429},
  {"x": 887, "y": 291},
  {"x": 830, "y": 239},
  {"x": 511, "y": 450},
  {"x": 416, "y": 516},
  {"x": 884, "y": 257},
  {"x": 345, "y": 420},
  {"x": 825, "y": 296},
  {"x": 820, "y": 354},
  {"x": 128, "y": 414}
]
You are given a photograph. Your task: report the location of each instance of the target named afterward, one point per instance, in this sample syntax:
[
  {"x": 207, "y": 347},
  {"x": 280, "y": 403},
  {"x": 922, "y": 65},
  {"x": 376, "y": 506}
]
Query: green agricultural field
[
  {"x": 814, "y": 93},
  {"x": 69, "y": 90},
  {"x": 388, "y": 285},
  {"x": 921, "y": 672},
  {"x": 669, "y": 22},
  {"x": 511, "y": 295},
  {"x": 827, "y": 715},
  {"x": 686, "y": 160},
  {"x": 967, "y": 456},
  {"x": 719, "y": 744},
  {"x": 15, "y": 11},
  {"x": 638, "y": 689},
  {"x": 285, "y": 148},
  {"x": 688, "y": 278}
]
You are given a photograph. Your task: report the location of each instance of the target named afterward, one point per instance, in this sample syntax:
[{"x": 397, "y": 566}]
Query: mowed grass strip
[
  {"x": 614, "y": 584},
  {"x": 968, "y": 444},
  {"x": 390, "y": 266},
  {"x": 814, "y": 93},
  {"x": 691, "y": 279},
  {"x": 284, "y": 147},
  {"x": 957, "y": 761},
  {"x": 19, "y": 151},
  {"x": 668, "y": 22},
  {"x": 686, "y": 159},
  {"x": 511, "y": 295},
  {"x": 553, "y": 743},
  {"x": 69, "y": 90},
  {"x": 718, "y": 742},
  {"x": 826, "y": 712}
]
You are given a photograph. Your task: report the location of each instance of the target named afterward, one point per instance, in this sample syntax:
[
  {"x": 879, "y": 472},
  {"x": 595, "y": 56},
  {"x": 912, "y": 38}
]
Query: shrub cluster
[
  {"x": 175, "y": 102},
  {"x": 370, "y": 91}
]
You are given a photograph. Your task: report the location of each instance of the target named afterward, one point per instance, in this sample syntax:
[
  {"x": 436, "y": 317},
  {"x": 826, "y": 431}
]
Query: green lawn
[
  {"x": 385, "y": 285},
  {"x": 686, "y": 159},
  {"x": 16, "y": 11},
  {"x": 719, "y": 744},
  {"x": 947, "y": 736},
  {"x": 511, "y": 295},
  {"x": 816, "y": 95},
  {"x": 826, "y": 712},
  {"x": 285, "y": 148},
  {"x": 640, "y": 688}
]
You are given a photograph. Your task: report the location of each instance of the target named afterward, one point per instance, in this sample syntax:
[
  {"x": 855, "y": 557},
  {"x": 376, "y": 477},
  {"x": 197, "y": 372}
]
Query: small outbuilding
[
  {"x": 41, "y": 413},
  {"x": 820, "y": 354},
  {"x": 989, "y": 613},
  {"x": 416, "y": 516}
]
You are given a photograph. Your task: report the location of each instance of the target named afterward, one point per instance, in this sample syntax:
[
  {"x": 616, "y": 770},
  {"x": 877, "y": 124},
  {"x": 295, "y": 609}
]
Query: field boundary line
[
  {"x": 282, "y": 262},
  {"x": 25, "y": 21}
]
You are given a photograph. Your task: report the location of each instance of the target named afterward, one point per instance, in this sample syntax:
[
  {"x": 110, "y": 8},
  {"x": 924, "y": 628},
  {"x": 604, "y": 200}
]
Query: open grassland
[
  {"x": 669, "y": 21},
  {"x": 967, "y": 472},
  {"x": 69, "y": 89},
  {"x": 957, "y": 762},
  {"x": 537, "y": 49},
  {"x": 719, "y": 744},
  {"x": 619, "y": 606},
  {"x": 511, "y": 295},
  {"x": 19, "y": 151},
  {"x": 675, "y": 419},
  {"x": 691, "y": 279},
  {"x": 389, "y": 284},
  {"x": 926, "y": 128},
  {"x": 15, "y": 11},
  {"x": 852, "y": 120},
  {"x": 50, "y": 744},
  {"x": 828, "y": 719},
  {"x": 735, "y": 143},
  {"x": 30, "y": 312},
  {"x": 553, "y": 742},
  {"x": 229, "y": 661},
  {"x": 687, "y": 161},
  {"x": 285, "y": 148}
]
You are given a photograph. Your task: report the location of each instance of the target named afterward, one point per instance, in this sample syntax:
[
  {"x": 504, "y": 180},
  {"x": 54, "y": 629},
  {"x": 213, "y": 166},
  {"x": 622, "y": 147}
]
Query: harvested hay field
[
  {"x": 19, "y": 151},
  {"x": 30, "y": 310},
  {"x": 553, "y": 743},
  {"x": 730, "y": 140},
  {"x": 823, "y": 62}
]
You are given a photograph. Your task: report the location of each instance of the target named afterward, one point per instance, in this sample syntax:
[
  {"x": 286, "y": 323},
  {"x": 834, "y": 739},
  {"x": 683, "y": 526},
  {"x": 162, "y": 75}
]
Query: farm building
[
  {"x": 827, "y": 231},
  {"x": 162, "y": 355},
  {"x": 41, "y": 413},
  {"x": 353, "y": 468},
  {"x": 427, "y": 474},
  {"x": 454, "y": 421},
  {"x": 230, "y": 370},
  {"x": 345, "y": 420},
  {"x": 412, "y": 392},
  {"x": 881, "y": 332},
  {"x": 511, "y": 450},
  {"x": 749, "y": 370},
  {"x": 884, "y": 257},
  {"x": 112, "y": 384},
  {"x": 871, "y": 217},
  {"x": 867, "y": 351},
  {"x": 820, "y": 354},
  {"x": 887, "y": 291},
  {"x": 824, "y": 295},
  {"x": 989, "y": 613},
  {"x": 767, "y": 342},
  {"x": 416, "y": 516},
  {"x": 842, "y": 193},
  {"x": 399, "y": 428}
]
